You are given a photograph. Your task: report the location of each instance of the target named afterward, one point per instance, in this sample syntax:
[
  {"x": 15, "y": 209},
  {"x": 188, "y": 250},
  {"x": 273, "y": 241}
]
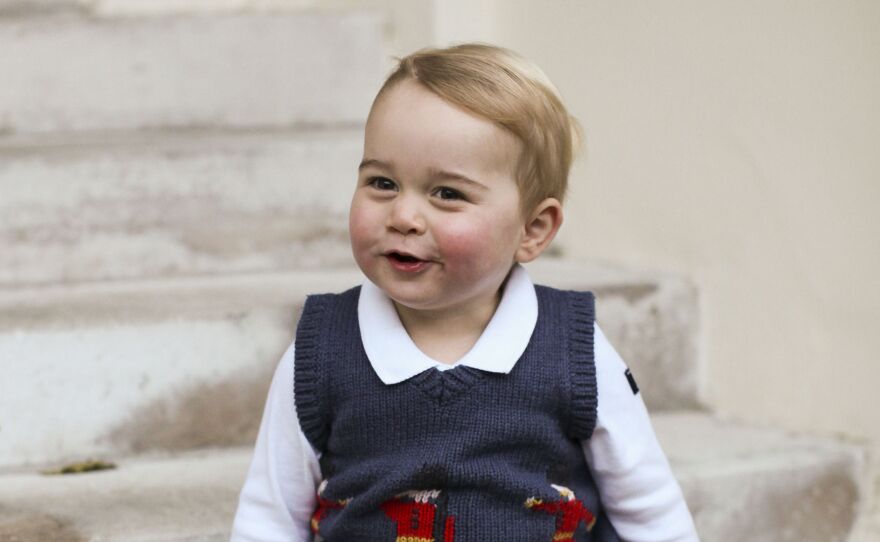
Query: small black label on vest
[{"x": 632, "y": 382}]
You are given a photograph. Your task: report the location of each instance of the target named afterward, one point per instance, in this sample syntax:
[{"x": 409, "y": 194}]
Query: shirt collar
[{"x": 396, "y": 358}]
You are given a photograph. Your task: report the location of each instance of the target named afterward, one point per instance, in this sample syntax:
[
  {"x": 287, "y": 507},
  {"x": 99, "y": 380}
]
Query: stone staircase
[{"x": 170, "y": 190}]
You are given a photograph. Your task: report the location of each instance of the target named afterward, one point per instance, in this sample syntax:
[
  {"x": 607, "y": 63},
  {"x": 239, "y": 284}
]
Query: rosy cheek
[
  {"x": 355, "y": 225},
  {"x": 465, "y": 241},
  {"x": 361, "y": 236},
  {"x": 361, "y": 221}
]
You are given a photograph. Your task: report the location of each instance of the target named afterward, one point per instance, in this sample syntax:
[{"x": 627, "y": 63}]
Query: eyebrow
[
  {"x": 367, "y": 162},
  {"x": 443, "y": 174},
  {"x": 433, "y": 172}
]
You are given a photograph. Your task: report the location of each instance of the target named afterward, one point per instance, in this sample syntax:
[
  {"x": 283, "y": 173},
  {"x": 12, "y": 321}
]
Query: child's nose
[{"x": 406, "y": 217}]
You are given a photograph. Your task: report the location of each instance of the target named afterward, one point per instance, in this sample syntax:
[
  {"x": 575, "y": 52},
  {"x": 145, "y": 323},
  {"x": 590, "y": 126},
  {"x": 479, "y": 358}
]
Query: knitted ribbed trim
[
  {"x": 582, "y": 366},
  {"x": 309, "y": 387}
]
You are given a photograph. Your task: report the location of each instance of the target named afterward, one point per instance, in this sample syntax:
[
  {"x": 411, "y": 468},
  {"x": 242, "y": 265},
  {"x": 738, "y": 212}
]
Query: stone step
[
  {"x": 68, "y": 73},
  {"x": 24, "y": 8},
  {"x": 190, "y": 497},
  {"x": 123, "y": 367},
  {"x": 742, "y": 483},
  {"x": 122, "y": 206},
  {"x": 867, "y": 527},
  {"x": 759, "y": 484}
]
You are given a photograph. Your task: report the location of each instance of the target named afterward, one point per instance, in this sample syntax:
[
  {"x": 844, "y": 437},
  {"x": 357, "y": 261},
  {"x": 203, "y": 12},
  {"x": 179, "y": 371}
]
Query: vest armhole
[
  {"x": 309, "y": 378},
  {"x": 581, "y": 364}
]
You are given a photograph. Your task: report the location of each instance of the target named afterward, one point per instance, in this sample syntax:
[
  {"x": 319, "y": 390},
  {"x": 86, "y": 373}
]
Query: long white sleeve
[
  {"x": 278, "y": 497},
  {"x": 636, "y": 486}
]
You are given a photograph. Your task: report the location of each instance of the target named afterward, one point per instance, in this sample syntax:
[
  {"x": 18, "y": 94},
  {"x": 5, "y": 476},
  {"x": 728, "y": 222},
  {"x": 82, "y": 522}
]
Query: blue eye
[
  {"x": 382, "y": 183},
  {"x": 449, "y": 194}
]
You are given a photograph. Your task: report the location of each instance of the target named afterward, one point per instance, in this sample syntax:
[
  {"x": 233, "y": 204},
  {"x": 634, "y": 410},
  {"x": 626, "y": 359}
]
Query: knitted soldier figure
[
  {"x": 569, "y": 512},
  {"x": 415, "y": 513}
]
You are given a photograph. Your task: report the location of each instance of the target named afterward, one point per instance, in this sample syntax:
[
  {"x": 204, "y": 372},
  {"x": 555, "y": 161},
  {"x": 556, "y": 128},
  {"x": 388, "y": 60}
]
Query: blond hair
[{"x": 497, "y": 84}]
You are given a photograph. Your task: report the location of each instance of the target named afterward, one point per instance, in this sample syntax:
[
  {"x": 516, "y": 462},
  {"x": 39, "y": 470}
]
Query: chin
[{"x": 413, "y": 302}]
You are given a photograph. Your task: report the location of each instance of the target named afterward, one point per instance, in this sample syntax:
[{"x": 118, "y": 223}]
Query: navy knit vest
[{"x": 460, "y": 455}]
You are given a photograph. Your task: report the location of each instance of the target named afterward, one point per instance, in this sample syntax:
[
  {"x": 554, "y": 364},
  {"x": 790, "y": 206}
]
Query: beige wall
[{"x": 738, "y": 143}]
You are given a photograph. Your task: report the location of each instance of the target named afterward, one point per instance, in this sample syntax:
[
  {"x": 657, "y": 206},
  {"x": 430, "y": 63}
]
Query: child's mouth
[
  {"x": 403, "y": 257},
  {"x": 406, "y": 262}
]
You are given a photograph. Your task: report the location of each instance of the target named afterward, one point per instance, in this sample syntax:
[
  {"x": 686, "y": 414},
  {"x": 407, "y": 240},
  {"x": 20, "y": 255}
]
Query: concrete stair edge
[
  {"x": 22, "y": 305},
  {"x": 40, "y": 8},
  {"x": 172, "y": 355},
  {"x": 754, "y": 471},
  {"x": 160, "y": 204},
  {"x": 187, "y": 70}
]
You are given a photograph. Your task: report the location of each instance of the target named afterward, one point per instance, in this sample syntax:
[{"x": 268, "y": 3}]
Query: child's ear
[{"x": 540, "y": 228}]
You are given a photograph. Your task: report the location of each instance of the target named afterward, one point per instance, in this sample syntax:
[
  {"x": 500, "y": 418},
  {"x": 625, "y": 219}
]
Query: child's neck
[{"x": 447, "y": 335}]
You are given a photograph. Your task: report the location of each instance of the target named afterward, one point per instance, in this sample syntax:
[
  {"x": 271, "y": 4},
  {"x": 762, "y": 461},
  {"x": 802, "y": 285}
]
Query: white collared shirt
[{"x": 639, "y": 493}]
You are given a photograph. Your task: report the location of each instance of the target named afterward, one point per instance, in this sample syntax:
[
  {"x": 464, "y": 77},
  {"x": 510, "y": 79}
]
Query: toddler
[{"x": 448, "y": 398}]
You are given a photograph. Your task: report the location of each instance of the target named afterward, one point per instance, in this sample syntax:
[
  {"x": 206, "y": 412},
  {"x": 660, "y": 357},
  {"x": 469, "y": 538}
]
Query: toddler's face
[{"x": 435, "y": 219}]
